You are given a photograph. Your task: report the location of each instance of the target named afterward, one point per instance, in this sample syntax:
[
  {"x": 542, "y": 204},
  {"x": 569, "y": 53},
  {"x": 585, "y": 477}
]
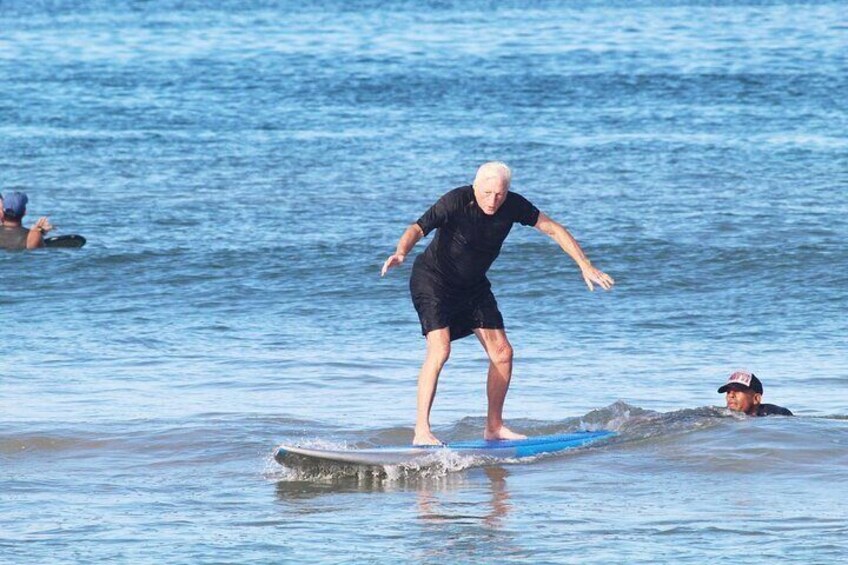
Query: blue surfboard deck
[{"x": 421, "y": 455}]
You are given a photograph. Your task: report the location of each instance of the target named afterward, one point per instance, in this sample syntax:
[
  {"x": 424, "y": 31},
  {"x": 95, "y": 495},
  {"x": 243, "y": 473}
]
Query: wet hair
[
  {"x": 492, "y": 169},
  {"x": 11, "y": 216}
]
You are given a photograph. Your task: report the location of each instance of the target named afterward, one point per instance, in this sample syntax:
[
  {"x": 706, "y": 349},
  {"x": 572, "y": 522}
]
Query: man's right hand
[
  {"x": 407, "y": 241},
  {"x": 392, "y": 261}
]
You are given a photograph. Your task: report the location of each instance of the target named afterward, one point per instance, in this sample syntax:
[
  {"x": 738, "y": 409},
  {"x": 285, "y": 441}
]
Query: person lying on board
[
  {"x": 453, "y": 296},
  {"x": 13, "y": 235},
  {"x": 744, "y": 392}
]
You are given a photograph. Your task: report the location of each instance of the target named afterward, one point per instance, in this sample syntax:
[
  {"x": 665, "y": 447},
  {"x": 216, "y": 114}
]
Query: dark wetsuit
[
  {"x": 448, "y": 283},
  {"x": 772, "y": 410},
  {"x": 13, "y": 237}
]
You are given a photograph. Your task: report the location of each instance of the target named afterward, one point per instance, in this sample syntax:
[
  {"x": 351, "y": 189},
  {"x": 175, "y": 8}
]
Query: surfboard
[
  {"x": 73, "y": 241},
  {"x": 421, "y": 455}
]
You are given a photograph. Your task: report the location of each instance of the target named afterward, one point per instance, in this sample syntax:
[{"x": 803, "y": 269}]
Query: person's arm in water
[
  {"x": 35, "y": 237},
  {"x": 568, "y": 244},
  {"x": 410, "y": 237}
]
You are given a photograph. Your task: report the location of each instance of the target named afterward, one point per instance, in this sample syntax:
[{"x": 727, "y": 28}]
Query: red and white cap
[{"x": 743, "y": 379}]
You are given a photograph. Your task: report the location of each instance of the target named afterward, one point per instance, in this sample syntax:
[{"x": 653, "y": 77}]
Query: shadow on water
[{"x": 484, "y": 500}]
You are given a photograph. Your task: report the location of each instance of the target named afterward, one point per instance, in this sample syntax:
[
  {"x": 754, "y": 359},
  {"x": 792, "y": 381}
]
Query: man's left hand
[
  {"x": 592, "y": 275},
  {"x": 43, "y": 225}
]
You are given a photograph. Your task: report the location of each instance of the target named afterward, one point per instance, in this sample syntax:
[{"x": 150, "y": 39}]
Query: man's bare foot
[
  {"x": 426, "y": 438},
  {"x": 503, "y": 433}
]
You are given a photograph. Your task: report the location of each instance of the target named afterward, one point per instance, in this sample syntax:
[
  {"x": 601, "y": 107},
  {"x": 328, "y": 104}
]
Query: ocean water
[{"x": 242, "y": 169}]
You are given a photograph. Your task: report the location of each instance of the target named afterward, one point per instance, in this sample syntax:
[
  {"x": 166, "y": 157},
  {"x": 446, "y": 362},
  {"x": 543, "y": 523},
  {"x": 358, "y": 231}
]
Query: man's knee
[
  {"x": 439, "y": 353},
  {"x": 438, "y": 348},
  {"x": 501, "y": 353}
]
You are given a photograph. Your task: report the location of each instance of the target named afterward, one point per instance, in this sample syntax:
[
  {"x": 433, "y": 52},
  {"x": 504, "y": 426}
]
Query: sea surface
[{"x": 241, "y": 170}]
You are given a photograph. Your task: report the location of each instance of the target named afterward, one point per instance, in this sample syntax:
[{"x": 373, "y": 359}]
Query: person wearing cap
[
  {"x": 744, "y": 392},
  {"x": 13, "y": 235}
]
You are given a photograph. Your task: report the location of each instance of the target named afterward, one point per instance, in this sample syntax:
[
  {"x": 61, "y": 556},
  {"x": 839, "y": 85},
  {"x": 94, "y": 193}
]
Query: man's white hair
[{"x": 493, "y": 169}]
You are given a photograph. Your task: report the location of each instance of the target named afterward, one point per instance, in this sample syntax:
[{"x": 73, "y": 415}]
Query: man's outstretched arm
[
  {"x": 568, "y": 244},
  {"x": 410, "y": 237}
]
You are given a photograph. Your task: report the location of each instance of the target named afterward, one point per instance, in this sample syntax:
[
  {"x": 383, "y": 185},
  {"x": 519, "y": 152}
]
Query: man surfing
[{"x": 453, "y": 296}]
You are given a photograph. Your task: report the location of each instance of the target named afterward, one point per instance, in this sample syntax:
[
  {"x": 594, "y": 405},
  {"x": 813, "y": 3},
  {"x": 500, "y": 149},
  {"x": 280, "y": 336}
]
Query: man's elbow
[{"x": 547, "y": 227}]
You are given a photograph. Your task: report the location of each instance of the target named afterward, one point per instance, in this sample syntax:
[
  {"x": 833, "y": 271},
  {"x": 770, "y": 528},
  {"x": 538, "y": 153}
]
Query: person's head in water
[
  {"x": 14, "y": 206},
  {"x": 491, "y": 183},
  {"x": 743, "y": 392}
]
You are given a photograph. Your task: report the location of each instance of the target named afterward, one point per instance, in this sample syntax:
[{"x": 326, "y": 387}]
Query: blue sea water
[{"x": 242, "y": 169}]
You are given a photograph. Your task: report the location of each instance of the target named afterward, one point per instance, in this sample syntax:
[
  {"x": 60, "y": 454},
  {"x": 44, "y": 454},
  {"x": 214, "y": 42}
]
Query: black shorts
[{"x": 461, "y": 310}]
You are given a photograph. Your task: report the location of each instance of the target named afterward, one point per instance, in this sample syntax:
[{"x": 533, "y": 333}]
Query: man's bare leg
[
  {"x": 499, "y": 350},
  {"x": 438, "y": 351}
]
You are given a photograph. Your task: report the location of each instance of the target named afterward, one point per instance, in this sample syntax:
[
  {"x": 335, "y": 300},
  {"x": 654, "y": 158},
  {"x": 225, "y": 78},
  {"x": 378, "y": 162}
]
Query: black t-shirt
[
  {"x": 13, "y": 237},
  {"x": 772, "y": 410},
  {"x": 468, "y": 241}
]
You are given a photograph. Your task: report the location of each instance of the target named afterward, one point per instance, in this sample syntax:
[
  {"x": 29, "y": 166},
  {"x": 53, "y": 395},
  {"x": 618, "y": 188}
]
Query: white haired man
[{"x": 450, "y": 290}]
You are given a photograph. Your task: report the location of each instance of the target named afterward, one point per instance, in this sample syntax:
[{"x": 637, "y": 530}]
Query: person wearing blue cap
[
  {"x": 13, "y": 235},
  {"x": 743, "y": 392}
]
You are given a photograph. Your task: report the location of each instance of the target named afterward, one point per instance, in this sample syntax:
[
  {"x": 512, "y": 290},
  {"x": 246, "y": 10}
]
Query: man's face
[
  {"x": 490, "y": 194},
  {"x": 742, "y": 399}
]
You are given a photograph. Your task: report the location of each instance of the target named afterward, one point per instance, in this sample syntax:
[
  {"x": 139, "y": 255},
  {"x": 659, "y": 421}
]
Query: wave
[
  {"x": 707, "y": 439},
  {"x": 711, "y": 438}
]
